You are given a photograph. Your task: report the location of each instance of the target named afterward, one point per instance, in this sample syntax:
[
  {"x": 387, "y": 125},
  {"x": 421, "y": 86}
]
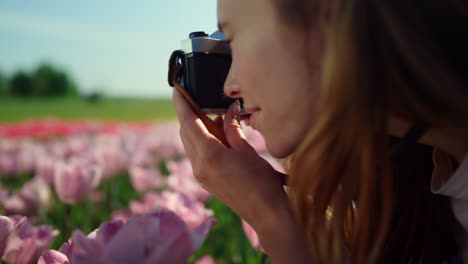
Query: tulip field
[{"x": 111, "y": 193}]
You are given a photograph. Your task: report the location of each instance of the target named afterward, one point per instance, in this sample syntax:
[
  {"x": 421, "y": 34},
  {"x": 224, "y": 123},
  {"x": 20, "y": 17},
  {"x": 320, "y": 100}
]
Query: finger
[
  {"x": 233, "y": 129},
  {"x": 219, "y": 122},
  {"x": 188, "y": 146},
  {"x": 244, "y": 117},
  {"x": 191, "y": 123}
]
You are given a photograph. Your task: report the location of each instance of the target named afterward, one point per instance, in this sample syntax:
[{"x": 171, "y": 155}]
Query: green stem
[{"x": 66, "y": 223}]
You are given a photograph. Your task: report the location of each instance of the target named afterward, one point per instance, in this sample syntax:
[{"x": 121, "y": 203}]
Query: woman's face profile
[{"x": 274, "y": 69}]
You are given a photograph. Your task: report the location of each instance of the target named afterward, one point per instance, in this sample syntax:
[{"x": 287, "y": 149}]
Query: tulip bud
[{"x": 74, "y": 183}]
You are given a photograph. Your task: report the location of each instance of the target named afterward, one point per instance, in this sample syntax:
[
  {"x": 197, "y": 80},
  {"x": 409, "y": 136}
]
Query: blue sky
[{"x": 120, "y": 47}]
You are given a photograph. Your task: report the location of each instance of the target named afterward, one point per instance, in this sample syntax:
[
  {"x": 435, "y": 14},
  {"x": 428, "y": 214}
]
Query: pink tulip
[
  {"x": 3, "y": 195},
  {"x": 205, "y": 260},
  {"x": 156, "y": 237},
  {"x": 123, "y": 215},
  {"x": 7, "y": 164},
  {"x": 26, "y": 243},
  {"x": 143, "y": 158},
  {"x": 8, "y": 152},
  {"x": 189, "y": 209},
  {"x": 252, "y": 236},
  {"x": 193, "y": 212},
  {"x": 74, "y": 183},
  {"x": 25, "y": 158},
  {"x": 53, "y": 257},
  {"x": 58, "y": 150},
  {"x": 77, "y": 143},
  {"x": 189, "y": 186},
  {"x": 169, "y": 145},
  {"x": 168, "y": 151},
  {"x": 182, "y": 180},
  {"x": 180, "y": 168},
  {"x": 147, "y": 203},
  {"x": 6, "y": 226},
  {"x": 110, "y": 158},
  {"x": 9, "y": 146},
  {"x": 33, "y": 198},
  {"x": 45, "y": 169},
  {"x": 145, "y": 179}
]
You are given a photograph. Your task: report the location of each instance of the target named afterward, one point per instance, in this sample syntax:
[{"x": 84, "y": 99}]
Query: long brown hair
[{"x": 402, "y": 57}]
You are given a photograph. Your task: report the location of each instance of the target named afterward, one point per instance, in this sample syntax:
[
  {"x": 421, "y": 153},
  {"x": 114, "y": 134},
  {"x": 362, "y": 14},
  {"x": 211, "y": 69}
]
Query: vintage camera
[{"x": 205, "y": 62}]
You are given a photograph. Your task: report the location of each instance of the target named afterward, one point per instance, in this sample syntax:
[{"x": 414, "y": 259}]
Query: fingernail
[{"x": 236, "y": 112}]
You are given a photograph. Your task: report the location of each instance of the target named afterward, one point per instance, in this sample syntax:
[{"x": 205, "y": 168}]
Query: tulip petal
[
  {"x": 205, "y": 260},
  {"x": 252, "y": 236},
  {"x": 179, "y": 242},
  {"x": 145, "y": 179},
  {"x": 175, "y": 251},
  {"x": 170, "y": 224},
  {"x": 84, "y": 246},
  {"x": 107, "y": 230},
  {"x": 62, "y": 182},
  {"x": 131, "y": 238},
  {"x": 20, "y": 251},
  {"x": 199, "y": 234},
  {"x": 53, "y": 257},
  {"x": 66, "y": 249},
  {"x": 6, "y": 226}
]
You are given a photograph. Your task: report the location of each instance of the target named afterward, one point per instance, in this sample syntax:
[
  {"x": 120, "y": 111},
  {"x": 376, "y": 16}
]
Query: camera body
[{"x": 205, "y": 62}]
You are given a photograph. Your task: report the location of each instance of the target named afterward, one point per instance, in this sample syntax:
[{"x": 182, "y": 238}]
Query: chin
[{"x": 278, "y": 150}]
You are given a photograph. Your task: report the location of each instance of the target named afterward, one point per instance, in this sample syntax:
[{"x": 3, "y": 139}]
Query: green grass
[{"x": 14, "y": 109}]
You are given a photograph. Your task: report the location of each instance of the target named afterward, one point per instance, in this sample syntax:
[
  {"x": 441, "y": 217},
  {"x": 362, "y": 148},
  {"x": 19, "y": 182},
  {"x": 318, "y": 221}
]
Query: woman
[{"x": 327, "y": 83}]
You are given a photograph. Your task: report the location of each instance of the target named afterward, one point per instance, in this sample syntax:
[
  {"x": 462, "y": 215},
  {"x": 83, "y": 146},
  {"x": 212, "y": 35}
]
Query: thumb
[{"x": 233, "y": 130}]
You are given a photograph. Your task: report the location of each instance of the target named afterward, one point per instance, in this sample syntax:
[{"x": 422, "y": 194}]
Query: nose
[{"x": 231, "y": 86}]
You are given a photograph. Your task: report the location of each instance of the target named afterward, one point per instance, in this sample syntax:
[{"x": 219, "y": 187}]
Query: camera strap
[{"x": 173, "y": 76}]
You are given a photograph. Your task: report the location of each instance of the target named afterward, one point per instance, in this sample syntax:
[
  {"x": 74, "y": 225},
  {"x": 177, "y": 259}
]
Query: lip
[{"x": 251, "y": 110}]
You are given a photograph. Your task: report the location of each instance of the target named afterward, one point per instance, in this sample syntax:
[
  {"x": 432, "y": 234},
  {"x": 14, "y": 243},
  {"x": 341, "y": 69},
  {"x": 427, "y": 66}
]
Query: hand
[{"x": 237, "y": 176}]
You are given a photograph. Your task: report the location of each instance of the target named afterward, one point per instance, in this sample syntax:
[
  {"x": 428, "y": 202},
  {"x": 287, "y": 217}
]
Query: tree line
[{"x": 46, "y": 80}]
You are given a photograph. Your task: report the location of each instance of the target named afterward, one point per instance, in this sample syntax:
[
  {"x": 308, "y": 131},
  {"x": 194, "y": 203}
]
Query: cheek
[
  {"x": 250, "y": 69},
  {"x": 284, "y": 129},
  {"x": 290, "y": 110},
  {"x": 280, "y": 142},
  {"x": 283, "y": 86}
]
